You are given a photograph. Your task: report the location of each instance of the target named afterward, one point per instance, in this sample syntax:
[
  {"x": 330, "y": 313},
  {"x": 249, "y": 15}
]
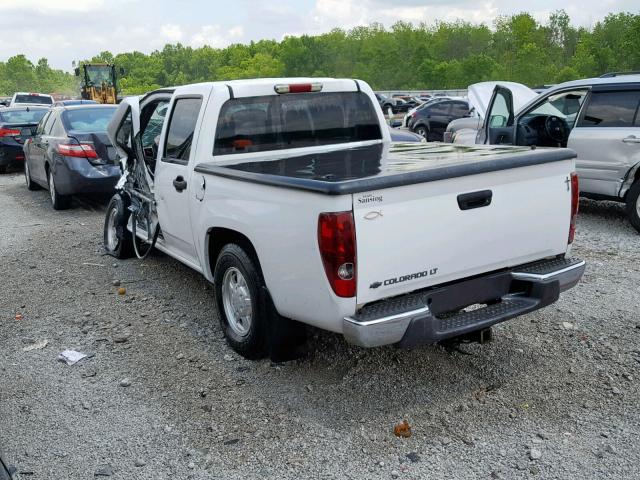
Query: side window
[
  {"x": 46, "y": 128},
  {"x": 123, "y": 134},
  {"x": 182, "y": 125},
  {"x": 57, "y": 130},
  {"x": 460, "y": 109},
  {"x": 500, "y": 111},
  {"x": 43, "y": 121},
  {"x": 612, "y": 109},
  {"x": 565, "y": 105},
  {"x": 153, "y": 128},
  {"x": 441, "y": 108}
]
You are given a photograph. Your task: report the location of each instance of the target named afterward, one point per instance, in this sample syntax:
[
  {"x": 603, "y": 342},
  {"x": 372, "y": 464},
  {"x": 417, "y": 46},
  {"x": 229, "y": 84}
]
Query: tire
[
  {"x": 3, "y": 169},
  {"x": 250, "y": 322},
  {"x": 633, "y": 205},
  {"x": 31, "y": 185},
  {"x": 59, "y": 202},
  {"x": 117, "y": 239},
  {"x": 422, "y": 131}
]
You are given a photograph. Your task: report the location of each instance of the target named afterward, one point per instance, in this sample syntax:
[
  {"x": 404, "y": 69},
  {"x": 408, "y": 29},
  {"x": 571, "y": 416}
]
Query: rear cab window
[
  {"x": 278, "y": 122},
  {"x": 612, "y": 109},
  {"x": 33, "y": 98}
]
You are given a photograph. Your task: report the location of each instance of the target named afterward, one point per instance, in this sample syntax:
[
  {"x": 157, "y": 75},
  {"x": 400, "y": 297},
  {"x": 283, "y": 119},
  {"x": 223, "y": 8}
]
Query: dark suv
[{"x": 431, "y": 121}]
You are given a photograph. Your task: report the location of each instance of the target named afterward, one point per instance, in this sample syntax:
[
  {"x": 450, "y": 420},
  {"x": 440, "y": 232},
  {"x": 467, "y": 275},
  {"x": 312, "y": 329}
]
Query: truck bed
[{"x": 361, "y": 169}]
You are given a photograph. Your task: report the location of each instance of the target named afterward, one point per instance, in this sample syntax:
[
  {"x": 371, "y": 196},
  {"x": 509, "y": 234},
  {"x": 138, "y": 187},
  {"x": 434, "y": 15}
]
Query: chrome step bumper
[{"x": 428, "y": 316}]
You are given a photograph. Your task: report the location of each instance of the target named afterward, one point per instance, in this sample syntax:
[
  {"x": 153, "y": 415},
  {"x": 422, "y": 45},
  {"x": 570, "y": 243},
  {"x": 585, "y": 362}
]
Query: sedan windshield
[
  {"x": 23, "y": 115},
  {"x": 87, "y": 119}
]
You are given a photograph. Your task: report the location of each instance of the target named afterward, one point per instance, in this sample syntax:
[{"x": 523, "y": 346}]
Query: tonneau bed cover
[{"x": 372, "y": 167}]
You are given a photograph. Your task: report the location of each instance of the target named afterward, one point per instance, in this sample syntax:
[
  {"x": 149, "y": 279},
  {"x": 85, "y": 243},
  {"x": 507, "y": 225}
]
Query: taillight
[
  {"x": 84, "y": 150},
  {"x": 298, "y": 88},
  {"x": 9, "y": 132},
  {"x": 337, "y": 242},
  {"x": 575, "y": 195}
]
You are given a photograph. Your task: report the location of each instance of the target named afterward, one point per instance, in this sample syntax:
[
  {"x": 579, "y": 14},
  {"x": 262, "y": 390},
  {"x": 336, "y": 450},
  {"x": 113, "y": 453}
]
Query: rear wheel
[
  {"x": 31, "y": 185},
  {"x": 422, "y": 131},
  {"x": 633, "y": 205},
  {"x": 59, "y": 202},
  {"x": 249, "y": 321},
  {"x": 117, "y": 239}
]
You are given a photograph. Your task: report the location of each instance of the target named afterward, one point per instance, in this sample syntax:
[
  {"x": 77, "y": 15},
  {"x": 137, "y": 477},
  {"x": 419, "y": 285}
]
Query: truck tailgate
[{"x": 414, "y": 236}]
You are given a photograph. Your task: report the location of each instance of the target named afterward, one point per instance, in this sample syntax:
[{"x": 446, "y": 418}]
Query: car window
[
  {"x": 42, "y": 122},
  {"x": 612, "y": 109},
  {"x": 123, "y": 134},
  {"x": 151, "y": 131},
  {"x": 499, "y": 115},
  {"x": 440, "y": 108},
  {"x": 565, "y": 105},
  {"x": 46, "y": 129},
  {"x": 22, "y": 116},
  {"x": 460, "y": 109},
  {"x": 277, "y": 122},
  {"x": 182, "y": 125},
  {"x": 33, "y": 98},
  {"x": 90, "y": 119}
]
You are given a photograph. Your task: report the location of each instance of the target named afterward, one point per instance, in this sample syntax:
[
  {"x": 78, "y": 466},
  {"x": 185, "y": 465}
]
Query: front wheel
[
  {"x": 117, "y": 239},
  {"x": 633, "y": 205}
]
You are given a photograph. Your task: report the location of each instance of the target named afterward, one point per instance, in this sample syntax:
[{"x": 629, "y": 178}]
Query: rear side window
[
  {"x": 460, "y": 109},
  {"x": 182, "y": 126},
  {"x": 87, "y": 119},
  {"x": 278, "y": 122},
  {"x": 612, "y": 109},
  {"x": 33, "y": 99}
]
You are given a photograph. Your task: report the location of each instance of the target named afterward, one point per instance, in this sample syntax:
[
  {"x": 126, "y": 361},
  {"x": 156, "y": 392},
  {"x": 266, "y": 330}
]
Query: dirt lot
[{"x": 161, "y": 396}]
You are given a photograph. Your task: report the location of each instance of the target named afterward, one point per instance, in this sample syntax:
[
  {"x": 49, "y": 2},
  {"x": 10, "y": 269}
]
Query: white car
[
  {"x": 288, "y": 195},
  {"x": 464, "y": 130},
  {"x": 26, "y": 99}
]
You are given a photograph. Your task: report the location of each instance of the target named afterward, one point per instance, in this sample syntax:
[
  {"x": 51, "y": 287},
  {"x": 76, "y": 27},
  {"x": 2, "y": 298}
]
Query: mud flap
[{"x": 286, "y": 338}]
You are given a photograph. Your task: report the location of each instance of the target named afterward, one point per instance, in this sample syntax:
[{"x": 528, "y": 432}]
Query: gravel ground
[{"x": 555, "y": 395}]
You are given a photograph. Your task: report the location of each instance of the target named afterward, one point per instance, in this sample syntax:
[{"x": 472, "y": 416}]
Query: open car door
[{"x": 499, "y": 125}]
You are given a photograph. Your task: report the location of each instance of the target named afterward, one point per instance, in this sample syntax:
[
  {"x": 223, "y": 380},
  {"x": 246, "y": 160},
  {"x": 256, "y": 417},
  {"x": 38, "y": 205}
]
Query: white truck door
[{"x": 177, "y": 150}]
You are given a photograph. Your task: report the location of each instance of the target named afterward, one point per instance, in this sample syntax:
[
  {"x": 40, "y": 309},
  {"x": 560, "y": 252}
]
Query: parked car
[
  {"x": 17, "y": 124},
  {"x": 290, "y": 198},
  {"x": 412, "y": 102},
  {"x": 70, "y": 153},
  {"x": 464, "y": 130},
  {"x": 596, "y": 117},
  {"x": 408, "y": 117},
  {"x": 391, "y": 106},
  {"x": 432, "y": 120},
  {"x": 31, "y": 99},
  {"x": 69, "y": 103}
]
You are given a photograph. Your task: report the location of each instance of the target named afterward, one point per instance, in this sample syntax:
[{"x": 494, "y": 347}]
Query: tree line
[{"x": 446, "y": 55}]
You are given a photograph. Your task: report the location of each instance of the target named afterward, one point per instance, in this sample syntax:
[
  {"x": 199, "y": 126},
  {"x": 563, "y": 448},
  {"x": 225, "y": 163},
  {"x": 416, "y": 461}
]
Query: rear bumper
[
  {"x": 10, "y": 154},
  {"x": 78, "y": 175},
  {"x": 429, "y": 316}
]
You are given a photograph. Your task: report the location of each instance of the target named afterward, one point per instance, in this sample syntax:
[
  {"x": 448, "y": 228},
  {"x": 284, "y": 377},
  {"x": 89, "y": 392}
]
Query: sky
[{"x": 67, "y": 30}]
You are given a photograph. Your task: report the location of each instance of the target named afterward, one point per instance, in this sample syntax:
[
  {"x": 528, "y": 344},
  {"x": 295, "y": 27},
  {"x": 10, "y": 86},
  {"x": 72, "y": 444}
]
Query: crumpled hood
[{"x": 480, "y": 95}]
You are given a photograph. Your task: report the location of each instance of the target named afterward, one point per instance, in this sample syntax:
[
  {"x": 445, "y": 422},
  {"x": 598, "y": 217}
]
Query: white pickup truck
[{"x": 289, "y": 196}]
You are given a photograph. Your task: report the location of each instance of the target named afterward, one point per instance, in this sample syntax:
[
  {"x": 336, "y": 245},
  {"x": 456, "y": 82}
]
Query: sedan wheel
[
  {"x": 59, "y": 202},
  {"x": 27, "y": 177},
  {"x": 422, "y": 131}
]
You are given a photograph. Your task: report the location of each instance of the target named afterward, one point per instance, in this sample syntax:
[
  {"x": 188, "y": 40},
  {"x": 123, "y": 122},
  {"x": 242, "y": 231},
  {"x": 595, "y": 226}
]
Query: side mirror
[
  {"x": 498, "y": 121},
  {"x": 76, "y": 71}
]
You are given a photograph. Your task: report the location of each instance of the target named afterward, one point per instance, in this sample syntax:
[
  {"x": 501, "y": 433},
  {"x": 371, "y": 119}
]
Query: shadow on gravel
[{"x": 605, "y": 209}]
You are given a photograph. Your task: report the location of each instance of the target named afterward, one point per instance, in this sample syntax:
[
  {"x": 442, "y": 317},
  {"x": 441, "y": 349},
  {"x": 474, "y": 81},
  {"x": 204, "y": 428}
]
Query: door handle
[
  {"x": 631, "y": 139},
  {"x": 179, "y": 183},
  {"x": 469, "y": 201}
]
